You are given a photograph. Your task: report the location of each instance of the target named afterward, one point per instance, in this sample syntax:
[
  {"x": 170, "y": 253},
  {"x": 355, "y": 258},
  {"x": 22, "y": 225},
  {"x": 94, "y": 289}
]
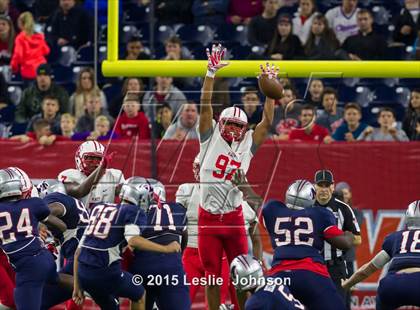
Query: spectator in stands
[
  {"x": 252, "y": 106},
  {"x": 352, "y": 128},
  {"x": 163, "y": 120},
  {"x": 175, "y": 51},
  {"x": 332, "y": 116},
  {"x": 132, "y": 121},
  {"x": 284, "y": 45},
  {"x": 42, "y": 134},
  {"x": 302, "y": 22},
  {"x": 8, "y": 9},
  {"x": 169, "y": 12},
  {"x": 32, "y": 96},
  {"x": 286, "y": 115},
  {"x": 262, "y": 28},
  {"x": 417, "y": 136},
  {"x": 44, "y": 9},
  {"x": 67, "y": 125},
  {"x": 50, "y": 107},
  {"x": 7, "y": 40},
  {"x": 316, "y": 88},
  {"x": 387, "y": 131},
  {"x": 186, "y": 126},
  {"x": 241, "y": 11},
  {"x": 212, "y": 12},
  {"x": 410, "y": 123},
  {"x": 101, "y": 132},
  {"x": 407, "y": 23},
  {"x": 135, "y": 50},
  {"x": 130, "y": 84},
  {"x": 309, "y": 130},
  {"x": 4, "y": 94},
  {"x": 85, "y": 84},
  {"x": 366, "y": 45},
  {"x": 343, "y": 19},
  {"x": 322, "y": 43},
  {"x": 30, "y": 49},
  {"x": 70, "y": 25},
  {"x": 93, "y": 108},
  {"x": 164, "y": 91}
]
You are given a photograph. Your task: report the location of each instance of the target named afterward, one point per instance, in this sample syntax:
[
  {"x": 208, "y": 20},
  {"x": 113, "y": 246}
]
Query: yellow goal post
[{"x": 113, "y": 67}]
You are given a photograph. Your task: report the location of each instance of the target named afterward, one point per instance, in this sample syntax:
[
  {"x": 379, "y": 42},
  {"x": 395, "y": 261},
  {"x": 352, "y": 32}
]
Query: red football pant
[
  {"x": 7, "y": 282},
  {"x": 193, "y": 269},
  {"x": 218, "y": 233}
]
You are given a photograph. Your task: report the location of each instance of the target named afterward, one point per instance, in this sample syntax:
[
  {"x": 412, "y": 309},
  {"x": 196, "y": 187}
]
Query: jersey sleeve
[
  {"x": 326, "y": 217},
  {"x": 388, "y": 243},
  {"x": 40, "y": 209},
  {"x": 183, "y": 195},
  {"x": 117, "y": 175},
  {"x": 134, "y": 221},
  {"x": 350, "y": 221}
]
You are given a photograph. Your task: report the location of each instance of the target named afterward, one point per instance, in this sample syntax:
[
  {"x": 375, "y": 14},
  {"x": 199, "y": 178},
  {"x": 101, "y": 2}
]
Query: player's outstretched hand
[
  {"x": 106, "y": 161},
  {"x": 215, "y": 59},
  {"x": 78, "y": 296},
  {"x": 173, "y": 247},
  {"x": 271, "y": 71}
]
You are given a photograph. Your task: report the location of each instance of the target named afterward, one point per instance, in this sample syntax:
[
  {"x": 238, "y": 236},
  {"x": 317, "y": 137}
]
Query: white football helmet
[
  {"x": 246, "y": 272},
  {"x": 88, "y": 156},
  {"x": 10, "y": 183},
  {"x": 159, "y": 192},
  {"x": 26, "y": 182},
  {"x": 300, "y": 195},
  {"x": 412, "y": 215},
  {"x": 233, "y": 124}
]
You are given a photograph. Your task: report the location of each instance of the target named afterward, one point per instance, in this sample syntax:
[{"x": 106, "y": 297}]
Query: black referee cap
[{"x": 324, "y": 176}]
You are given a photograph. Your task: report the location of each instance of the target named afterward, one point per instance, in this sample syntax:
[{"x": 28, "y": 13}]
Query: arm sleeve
[
  {"x": 40, "y": 209},
  {"x": 183, "y": 195},
  {"x": 332, "y": 231},
  {"x": 350, "y": 221},
  {"x": 380, "y": 260},
  {"x": 387, "y": 245},
  {"x": 17, "y": 55}
]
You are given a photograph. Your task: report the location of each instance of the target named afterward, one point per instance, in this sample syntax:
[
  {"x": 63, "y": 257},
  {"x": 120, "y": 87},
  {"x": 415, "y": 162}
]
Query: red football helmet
[
  {"x": 89, "y": 156},
  {"x": 233, "y": 124}
]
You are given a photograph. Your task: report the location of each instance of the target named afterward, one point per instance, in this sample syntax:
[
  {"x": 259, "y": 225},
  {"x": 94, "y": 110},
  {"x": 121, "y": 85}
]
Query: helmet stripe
[{"x": 23, "y": 177}]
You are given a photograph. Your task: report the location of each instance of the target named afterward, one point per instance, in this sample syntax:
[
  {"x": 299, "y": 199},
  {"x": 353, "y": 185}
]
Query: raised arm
[
  {"x": 215, "y": 62},
  {"x": 263, "y": 127}
]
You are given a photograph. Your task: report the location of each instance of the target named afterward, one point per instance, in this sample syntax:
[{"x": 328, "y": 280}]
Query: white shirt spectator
[
  {"x": 302, "y": 30},
  {"x": 343, "y": 25}
]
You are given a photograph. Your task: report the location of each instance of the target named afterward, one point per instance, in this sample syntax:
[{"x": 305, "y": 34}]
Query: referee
[{"x": 346, "y": 221}]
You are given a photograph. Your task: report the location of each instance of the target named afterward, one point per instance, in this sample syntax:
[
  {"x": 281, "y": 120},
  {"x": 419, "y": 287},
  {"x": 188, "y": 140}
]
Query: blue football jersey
[
  {"x": 165, "y": 223},
  {"x": 19, "y": 220},
  {"x": 296, "y": 234},
  {"x": 404, "y": 249},
  {"x": 273, "y": 297},
  {"x": 76, "y": 218},
  {"x": 109, "y": 227}
]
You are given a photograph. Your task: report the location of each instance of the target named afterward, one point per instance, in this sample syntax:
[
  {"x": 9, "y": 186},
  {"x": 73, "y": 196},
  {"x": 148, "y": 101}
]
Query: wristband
[{"x": 211, "y": 73}]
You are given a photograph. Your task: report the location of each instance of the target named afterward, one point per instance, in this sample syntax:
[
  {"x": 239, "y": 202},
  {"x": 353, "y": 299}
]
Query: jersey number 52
[{"x": 300, "y": 234}]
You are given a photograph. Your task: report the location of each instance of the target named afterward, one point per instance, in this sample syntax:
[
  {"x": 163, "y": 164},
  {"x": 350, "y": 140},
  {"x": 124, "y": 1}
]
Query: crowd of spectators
[{"x": 35, "y": 41}]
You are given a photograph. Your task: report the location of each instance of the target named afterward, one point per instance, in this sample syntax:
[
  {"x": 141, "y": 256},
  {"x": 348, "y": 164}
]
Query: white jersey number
[
  {"x": 23, "y": 226},
  {"x": 100, "y": 221},
  {"x": 301, "y": 235},
  {"x": 413, "y": 244}
]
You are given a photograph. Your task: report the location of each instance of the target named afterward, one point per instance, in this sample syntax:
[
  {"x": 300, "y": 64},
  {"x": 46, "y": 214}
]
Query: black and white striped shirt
[{"x": 346, "y": 221}]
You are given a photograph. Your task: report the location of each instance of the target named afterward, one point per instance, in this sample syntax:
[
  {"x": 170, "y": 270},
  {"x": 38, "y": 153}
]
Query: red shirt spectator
[
  {"x": 241, "y": 11},
  {"x": 309, "y": 131},
  {"x": 30, "y": 48},
  {"x": 317, "y": 133},
  {"x": 132, "y": 122}
]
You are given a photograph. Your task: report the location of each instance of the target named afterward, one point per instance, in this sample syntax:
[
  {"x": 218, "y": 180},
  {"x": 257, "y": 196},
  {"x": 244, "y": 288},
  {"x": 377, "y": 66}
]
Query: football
[{"x": 270, "y": 87}]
